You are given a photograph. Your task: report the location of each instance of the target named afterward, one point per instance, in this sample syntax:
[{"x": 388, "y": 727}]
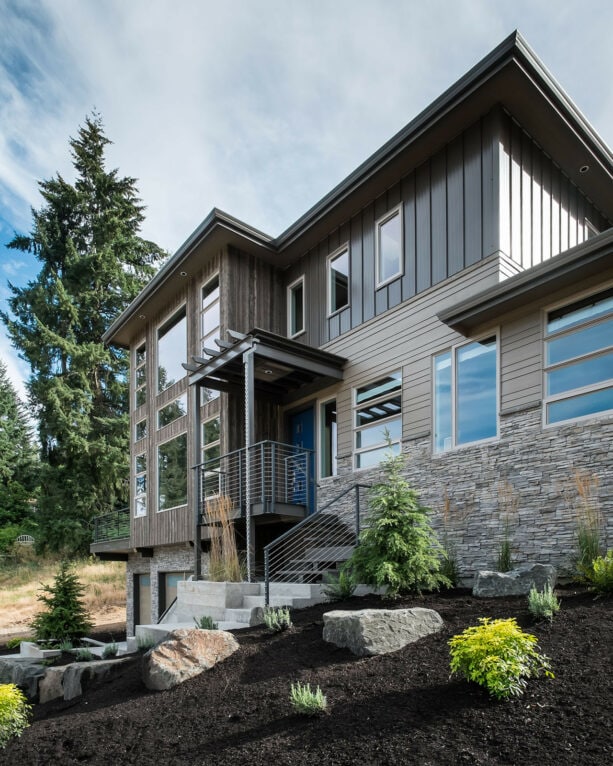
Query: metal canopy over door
[{"x": 300, "y": 473}]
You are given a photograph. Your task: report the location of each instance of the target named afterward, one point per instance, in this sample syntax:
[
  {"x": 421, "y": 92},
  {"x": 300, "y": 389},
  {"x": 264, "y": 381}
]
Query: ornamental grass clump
[
  {"x": 306, "y": 701},
  {"x": 543, "y": 605},
  {"x": 14, "y": 713},
  {"x": 498, "y": 655}
]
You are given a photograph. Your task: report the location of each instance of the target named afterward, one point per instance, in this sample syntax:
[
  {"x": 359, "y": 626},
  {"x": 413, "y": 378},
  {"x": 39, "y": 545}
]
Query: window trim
[
  {"x": 396, "y": 211},
  {"x": 290, "y": 292},
  {"x": 335, "y": 254},
  {"x": 168, "y": 320},
  {"x": 157, "y": 474},
  {"x": 355, "y": 406},
  {"x": 575, "y": 392},
  {"x": 492, "y": 332}
]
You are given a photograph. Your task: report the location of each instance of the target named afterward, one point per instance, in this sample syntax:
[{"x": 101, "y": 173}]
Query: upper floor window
[
  {"x": 295, "y": 308},
  {"x": 211, "y": 441},
  {"x": 172, "y": 411},
  {"x": 140, "y": 485},
  {"x": 466, "y": 394},
  {"x": 172, "y": 350},
  {"x": 579, "y": 359},
  {"x": 140, "y": 430},
  {"x": 209, "y": 315},
  {"x": 389, "y": 247},
  {"x": 338, "y": 280},
  {"x": 172, "y": 473},
  {"x": 378, "y": 420},
  {"x": 140, "y": 376}
]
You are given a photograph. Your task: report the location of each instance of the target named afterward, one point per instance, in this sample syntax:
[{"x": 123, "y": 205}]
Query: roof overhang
[
  {"x": 281, "y": 366},
  {"x": 586, "y": 260}
]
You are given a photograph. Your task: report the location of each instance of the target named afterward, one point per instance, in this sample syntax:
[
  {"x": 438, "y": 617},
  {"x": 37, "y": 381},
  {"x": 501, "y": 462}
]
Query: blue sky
[{"x": 258, "y": 107}]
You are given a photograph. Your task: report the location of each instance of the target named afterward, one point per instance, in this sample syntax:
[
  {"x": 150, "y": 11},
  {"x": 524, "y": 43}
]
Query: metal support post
[{"x": 249, "y": 367}]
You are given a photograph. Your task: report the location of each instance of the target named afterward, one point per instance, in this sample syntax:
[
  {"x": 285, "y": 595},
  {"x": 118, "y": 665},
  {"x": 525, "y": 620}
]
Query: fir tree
[
  {"x": 17, "y": 458},
  {"x": 93, "y": 263},
  {"x": 398, "y": 549},
  {"x": 65, "y": 617}
]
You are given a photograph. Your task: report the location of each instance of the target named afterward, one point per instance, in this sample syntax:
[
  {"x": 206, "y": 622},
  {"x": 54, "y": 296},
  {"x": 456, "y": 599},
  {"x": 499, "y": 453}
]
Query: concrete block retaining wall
[{"x": 536, "y": 464}]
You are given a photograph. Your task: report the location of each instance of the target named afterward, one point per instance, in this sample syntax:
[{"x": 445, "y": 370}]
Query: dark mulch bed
[{"x": 401, "y": 708}]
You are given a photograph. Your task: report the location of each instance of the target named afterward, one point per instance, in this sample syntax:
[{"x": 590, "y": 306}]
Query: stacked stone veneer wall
[
  {"x": 532, "y": 464},
  {"x": 170, "y": 558}
]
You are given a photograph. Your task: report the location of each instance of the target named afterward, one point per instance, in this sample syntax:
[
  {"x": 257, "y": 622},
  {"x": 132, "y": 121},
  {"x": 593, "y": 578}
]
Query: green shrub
[
  {"x": 543, "y": 604},
  {"x": 497, "y": 655},
  {"x": 84, "y": 655},
  {"x": 306, "y": 701},
  {"x": 65, "y": 617},
  {"x": 14, "y": 713},
  {"x": 110, "y": 650},
  {"x": 340, "y": 586},
  {"x": 205, "y": 622},
  {"x": 600, "y": 573},
  {"x": 277, "y": 618},
  {"x": 15, "y": 642},
  {"x": 398, "y": 550},
  {"x": 66, "y": 646}
]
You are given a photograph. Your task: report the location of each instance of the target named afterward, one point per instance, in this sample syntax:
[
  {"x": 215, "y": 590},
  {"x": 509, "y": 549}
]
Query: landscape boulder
[
  {"x": 184, "y": 654},
  {"x": 368, "y": 632},
  {"x": 517, "y": 582}
]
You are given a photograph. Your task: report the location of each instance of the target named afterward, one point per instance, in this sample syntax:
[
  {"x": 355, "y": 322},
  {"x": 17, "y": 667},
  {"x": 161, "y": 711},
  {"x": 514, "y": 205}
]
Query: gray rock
[
  {"x": 185, "y": 654},
  {"x": 517, "y": 582},
  {"x": 23, "y": 673},
  {"x": 369, "y": 632}
]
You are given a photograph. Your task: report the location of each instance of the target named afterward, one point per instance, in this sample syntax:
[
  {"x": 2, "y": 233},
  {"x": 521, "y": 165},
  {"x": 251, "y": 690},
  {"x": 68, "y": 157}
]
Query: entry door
[{"x": 300, "y": 470}]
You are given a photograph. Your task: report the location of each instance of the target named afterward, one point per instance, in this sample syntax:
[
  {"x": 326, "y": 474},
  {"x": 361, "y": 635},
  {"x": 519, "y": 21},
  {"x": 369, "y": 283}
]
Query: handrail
[
  {"x": 337, "y": 532},
  {"x": 168, "y": 608},
  {"x": 111, "y": 526}
]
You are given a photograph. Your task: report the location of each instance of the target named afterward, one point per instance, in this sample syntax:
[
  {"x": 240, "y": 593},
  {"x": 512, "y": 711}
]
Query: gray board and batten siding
[{"x": 490, "y": 190}]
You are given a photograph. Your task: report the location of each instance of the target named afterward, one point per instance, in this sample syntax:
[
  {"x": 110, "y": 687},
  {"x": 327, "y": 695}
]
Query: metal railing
[
  {"x": 318, "y": 543},
  {"x": 111, "y": 526},
  {"x": 278, "y": 474}
]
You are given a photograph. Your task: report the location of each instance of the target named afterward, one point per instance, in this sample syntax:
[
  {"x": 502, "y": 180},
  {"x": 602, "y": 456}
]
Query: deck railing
[{"x": 111, "y": 526}]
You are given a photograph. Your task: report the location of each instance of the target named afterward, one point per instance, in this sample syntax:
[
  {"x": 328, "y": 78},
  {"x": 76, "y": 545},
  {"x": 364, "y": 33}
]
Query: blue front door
[{"x": 300, "y": 470}]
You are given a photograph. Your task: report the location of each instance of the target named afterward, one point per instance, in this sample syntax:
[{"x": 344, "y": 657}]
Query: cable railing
[
  {"x": 279, "y": 474},
  {"x": 111, "y": 526},
  {"x": 318, "y": 543}
]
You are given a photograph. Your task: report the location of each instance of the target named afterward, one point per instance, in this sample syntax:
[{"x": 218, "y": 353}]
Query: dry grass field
[{"x": 21, "y": 582}]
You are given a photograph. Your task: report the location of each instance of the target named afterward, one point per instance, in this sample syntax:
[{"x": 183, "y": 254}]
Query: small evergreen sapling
[
  {"x": 398, "y": 549},
  {"x": 65, "y": 617}
]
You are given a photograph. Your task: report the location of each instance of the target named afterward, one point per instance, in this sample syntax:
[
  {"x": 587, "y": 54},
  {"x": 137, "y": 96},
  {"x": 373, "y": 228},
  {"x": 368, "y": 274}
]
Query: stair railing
[{"x": 318, "y": 543}]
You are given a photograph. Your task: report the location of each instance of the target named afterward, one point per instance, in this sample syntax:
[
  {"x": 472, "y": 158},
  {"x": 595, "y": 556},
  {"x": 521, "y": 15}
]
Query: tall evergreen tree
[
  {"x": 93, "y": 263},
  {"x": 17, "y": 457}
]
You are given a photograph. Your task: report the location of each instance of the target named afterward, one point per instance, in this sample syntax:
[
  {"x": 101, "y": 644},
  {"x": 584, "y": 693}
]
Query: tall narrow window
[
  {"x": 172, "y": 350},
  {"x": 579, "y": 359},
  {"x": 211, "y": 440},
  {"x": 172, "y": 473},
  {"x": 140, "y": 376},
  {"x": 140, "y": 485},
  {"x": 338, "y": 280},
  {"x": 295, "y": 308},
  {"x": 389, "y": 247},
  {"x": 209, "y": 315},
  {"x": 327, "y": 415},
  {"x": 466, "y": 394},
  {"x": 378, "y": 420}
]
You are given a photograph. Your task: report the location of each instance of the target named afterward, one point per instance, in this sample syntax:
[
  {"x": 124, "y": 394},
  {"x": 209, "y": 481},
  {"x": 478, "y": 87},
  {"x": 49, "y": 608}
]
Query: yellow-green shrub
[
  {"x": 498, "y": 655},
  {"x": 14, "y": 713},
  {"x": 600, "y": 573}
]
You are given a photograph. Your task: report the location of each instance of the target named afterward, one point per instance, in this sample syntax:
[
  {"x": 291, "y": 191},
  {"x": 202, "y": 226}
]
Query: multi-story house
[{"x": 452, "y": 299}]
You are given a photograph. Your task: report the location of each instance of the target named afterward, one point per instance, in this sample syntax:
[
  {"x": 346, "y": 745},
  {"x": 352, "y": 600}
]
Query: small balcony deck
[{"x": 111, "y": 535}]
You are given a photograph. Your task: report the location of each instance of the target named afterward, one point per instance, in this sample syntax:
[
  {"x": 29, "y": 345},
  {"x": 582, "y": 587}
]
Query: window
[
  {"x": 172, "y": 350},
  {"x": 211, "y": 452},
  {"x": 172, "y": 473},
  {"x": 295, "y": 308},
  {"x": 338, "y": 280},
  {"x": 378, "y": 420},
  {"x": 327, "y": 425},
  {"x": 389, "y": 247},
  {"x": 140, "y": 430},
  {"x": 209, "y": 315},
  {"x": 172, "y": 411},
  {"x": 140, "y": 485},
  {"x": 466, "y": 394},
  {"x": 140, "y": 376},
  {"x": 579, "y": 359}
]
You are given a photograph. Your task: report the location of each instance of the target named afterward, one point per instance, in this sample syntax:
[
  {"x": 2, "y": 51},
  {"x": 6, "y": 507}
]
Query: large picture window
[
  {"x": 172, "y": 473},
  {"x": 579, "y": 359},
  {"x": 338, "y": 280},
  {"x": 389, "y": 247},
  {"x": 466, "y": 394},
  {"x": 377, "y": 420},
  {"x": 172, "y": 350}
]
